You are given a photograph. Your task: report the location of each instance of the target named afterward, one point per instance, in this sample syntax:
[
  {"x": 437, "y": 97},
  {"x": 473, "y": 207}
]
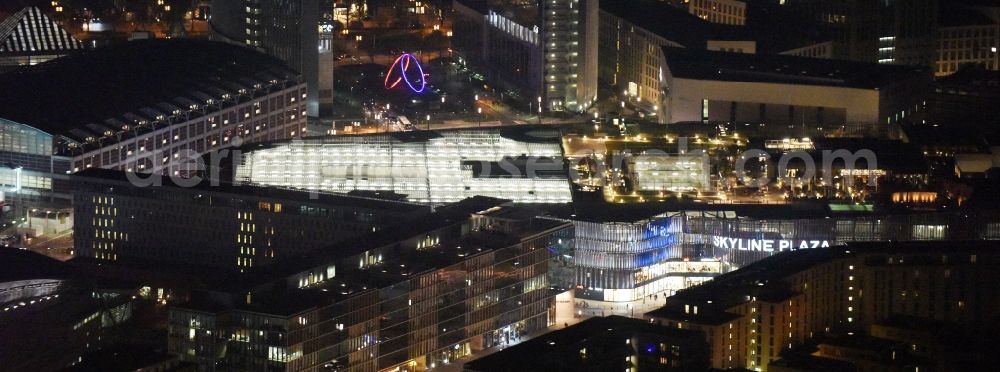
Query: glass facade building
[
  {"x": 433, "y": 293},
  {"x": 30, "y": 37},
  {"x": 542, "y": 52},
  {"x": 29, "y": 166},
  {"x": 626, "y": 261},
  {"x": 159, "y": 115},
  {"x": 522, "y": 164},
  {"x": 742, "y": 240},
  {"x": 616, "y": 259},
  {"x": 671, "y": 172},
  {"x": 234, "y": 228}
]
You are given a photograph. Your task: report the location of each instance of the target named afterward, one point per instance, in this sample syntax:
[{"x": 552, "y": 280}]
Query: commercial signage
[
  {"x": 862, "y": 172},
  {"x": 659, "y": 230},
  {"x": 661, "y": 227},
  {"x": 767, "y": 245}
]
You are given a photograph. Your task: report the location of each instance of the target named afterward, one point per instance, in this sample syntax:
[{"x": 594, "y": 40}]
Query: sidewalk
[{"x": 633, "y": 309}]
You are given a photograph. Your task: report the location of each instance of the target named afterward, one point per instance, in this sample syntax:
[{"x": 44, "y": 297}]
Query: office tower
[
  {"x": 472, "y": 275},
  {"x": 542, "y": 51},
  {"x": 221, "y": 227},
  {"x": 286, "y": 29}
]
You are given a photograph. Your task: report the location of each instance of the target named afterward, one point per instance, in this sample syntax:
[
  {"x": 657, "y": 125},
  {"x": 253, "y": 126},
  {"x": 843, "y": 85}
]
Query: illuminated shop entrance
[{"x": 505, "y": 336}]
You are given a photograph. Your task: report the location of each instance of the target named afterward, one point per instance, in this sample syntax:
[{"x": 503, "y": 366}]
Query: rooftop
[
  {"x": 603, "y": 212},
  {"x": 448, "y": 215},
  {"x": 529, "y": 133},
  {"x": 129, "y": 358},
  {"x": 764, "y": 279},
  {"x": 733, "y": 288},
  {"x": 688, "y": 30},
  {"x": 960, "y": 16},
  {"x": 21, "y": 264},
  {"x": 666, "y": 21},
  {"x": 693, "y": 64},
  {"x": 557, "y": 349},
  {"x": 402, "y": 265},
  {"x": 891, "y": 155},
  {"x": 453, "y": 214},
  {"x": 136, "y": 82},
  {"x": 114, "y": 178},
  {"x": 30, "y": 31},
  {"x": 812, "y": 363}
]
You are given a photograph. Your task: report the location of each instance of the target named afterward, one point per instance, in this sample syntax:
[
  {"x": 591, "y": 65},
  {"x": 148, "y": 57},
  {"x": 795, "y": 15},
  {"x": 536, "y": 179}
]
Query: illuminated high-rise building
[
  {"x": 967, "y": 37},
  {"x": 286, "y": 29},
  {"x": 542, "y": 51},
  {"x": 884, "y": 31}
]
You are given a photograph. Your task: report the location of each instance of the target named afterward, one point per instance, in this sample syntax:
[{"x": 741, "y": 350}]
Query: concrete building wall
[
  {"x": 586, "y": 84},
  {"x": 631, "y": 60},
  {"x": 967, "y": 45},
  {"x": 685, "y": 99},
  {"x": 273, "y": 116}
]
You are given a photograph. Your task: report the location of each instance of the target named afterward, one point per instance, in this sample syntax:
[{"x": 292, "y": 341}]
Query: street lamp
[
  {"x": 479, "y": 111},
  {"x": 539, "y": 109},
  {"x": 27, "y": 216}
]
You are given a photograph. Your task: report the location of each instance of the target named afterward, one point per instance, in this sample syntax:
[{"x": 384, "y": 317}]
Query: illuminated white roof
[
  {"x": 31, "y": 31},
  {"x": 428, "y": 167}
]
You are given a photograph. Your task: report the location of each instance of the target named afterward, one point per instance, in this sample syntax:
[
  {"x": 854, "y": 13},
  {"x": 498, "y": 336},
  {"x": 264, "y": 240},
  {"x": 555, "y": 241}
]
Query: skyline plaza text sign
[{"x": 767, "y": 245}]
